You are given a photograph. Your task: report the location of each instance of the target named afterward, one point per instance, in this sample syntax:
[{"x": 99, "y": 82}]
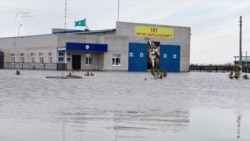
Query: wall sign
[{"x": 154, "y": 32}]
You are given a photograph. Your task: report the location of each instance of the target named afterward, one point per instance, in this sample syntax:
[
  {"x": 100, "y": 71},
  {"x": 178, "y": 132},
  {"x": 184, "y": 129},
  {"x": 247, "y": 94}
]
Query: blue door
[
  {"x": 170, "y": 58},
  {"x": 165, "y": 55},
  {"x": 175, "y": 59},
  {"x": 137, "y": 57}
]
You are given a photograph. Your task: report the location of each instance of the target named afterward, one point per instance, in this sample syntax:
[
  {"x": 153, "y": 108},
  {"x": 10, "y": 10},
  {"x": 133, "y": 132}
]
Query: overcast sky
[{"x": 214, "y": 23}]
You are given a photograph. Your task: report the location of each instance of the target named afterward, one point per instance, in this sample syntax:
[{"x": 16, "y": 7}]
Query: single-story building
[{"x": 124, "y": 48}]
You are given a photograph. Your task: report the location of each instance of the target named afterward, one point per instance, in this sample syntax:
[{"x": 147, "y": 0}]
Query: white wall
[
  {"x": 116, "y": 45},
  {"x": 27, "y": 45},
  {"x": 181, "y": 37}
]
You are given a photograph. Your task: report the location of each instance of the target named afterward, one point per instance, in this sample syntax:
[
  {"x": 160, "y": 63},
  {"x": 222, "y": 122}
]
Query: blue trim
[
  {"x": 86, "y": 47},
  {"x": 1, "y": 53},
  {"x": 86, "y": 31}
]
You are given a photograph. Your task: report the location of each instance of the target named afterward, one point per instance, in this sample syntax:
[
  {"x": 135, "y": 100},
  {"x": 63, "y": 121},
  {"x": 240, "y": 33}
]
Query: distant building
[
  {"x": 245, "y": 62},
  {"x": 124, "y": 48}
]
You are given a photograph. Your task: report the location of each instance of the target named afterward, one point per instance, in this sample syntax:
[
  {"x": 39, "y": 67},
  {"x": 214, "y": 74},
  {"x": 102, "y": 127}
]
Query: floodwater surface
[{"x": 123, "y": 106}]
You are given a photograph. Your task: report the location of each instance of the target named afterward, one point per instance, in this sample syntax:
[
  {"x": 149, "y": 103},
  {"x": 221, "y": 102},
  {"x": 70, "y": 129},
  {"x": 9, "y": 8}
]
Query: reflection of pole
[
  {"x": 238, "y": 122},
  {"x": 63, "y": 131},
  {"x": 19, "y": 28}
]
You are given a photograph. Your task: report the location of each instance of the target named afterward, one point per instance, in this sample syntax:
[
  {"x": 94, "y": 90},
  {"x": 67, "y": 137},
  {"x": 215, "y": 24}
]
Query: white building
[{"x": 123, "y": 48}]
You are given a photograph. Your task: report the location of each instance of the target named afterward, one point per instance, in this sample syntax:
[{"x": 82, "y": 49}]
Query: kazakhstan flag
[{"x": 80, "y": 23}]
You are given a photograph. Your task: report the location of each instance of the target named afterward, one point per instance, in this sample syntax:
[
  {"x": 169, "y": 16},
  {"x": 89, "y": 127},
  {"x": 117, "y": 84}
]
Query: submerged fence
[
  {"x": 33, "y": 66},
  {"x": 216, "y": 68},
  {"x": 63, "y": 66}
]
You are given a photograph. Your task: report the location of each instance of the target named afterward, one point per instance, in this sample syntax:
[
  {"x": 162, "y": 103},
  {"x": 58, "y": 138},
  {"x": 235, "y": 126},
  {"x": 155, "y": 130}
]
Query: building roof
[{"x": 86, "y": 31}]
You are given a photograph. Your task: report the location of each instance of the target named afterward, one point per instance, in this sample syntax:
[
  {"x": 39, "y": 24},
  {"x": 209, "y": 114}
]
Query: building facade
[{"x": 124, "y": 48}]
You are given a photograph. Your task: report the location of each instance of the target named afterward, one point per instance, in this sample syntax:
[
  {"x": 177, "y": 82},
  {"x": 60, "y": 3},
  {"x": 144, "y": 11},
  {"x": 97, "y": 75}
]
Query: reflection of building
[
  {"x": 133, "y": 123},
  {"x": 123, "y": 48}
]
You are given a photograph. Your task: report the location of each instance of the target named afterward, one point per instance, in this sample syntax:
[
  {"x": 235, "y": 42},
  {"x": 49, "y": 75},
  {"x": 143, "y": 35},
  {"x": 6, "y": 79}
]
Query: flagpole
[{"x": 118, "y": 9}]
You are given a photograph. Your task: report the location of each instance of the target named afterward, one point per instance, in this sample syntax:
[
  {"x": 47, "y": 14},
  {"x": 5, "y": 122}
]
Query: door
[
  {"x": 175, "y": 59},
  {"x": 76, "y": 62},
  {"x": 137, "y": 57},
  {"x": 1, "y": 60},
  {"x": 165, "y": 55},
  {"x": 170, "y": 58}
]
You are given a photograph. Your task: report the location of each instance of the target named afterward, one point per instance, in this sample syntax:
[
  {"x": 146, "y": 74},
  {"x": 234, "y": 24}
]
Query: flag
[{"x": 80, "y": 23}]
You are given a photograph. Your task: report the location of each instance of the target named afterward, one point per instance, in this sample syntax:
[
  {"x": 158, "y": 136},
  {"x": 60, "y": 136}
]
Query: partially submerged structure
[{"x": 124, "y": 48}]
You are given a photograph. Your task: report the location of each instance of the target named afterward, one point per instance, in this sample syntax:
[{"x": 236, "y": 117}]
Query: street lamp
[{"x": 19, "y": 28}]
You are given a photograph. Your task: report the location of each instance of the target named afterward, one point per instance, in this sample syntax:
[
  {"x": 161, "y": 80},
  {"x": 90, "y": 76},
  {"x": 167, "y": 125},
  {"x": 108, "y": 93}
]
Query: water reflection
[
  {"x": 238, "y": 123},
  {"x": 126, "y": 124},
  {"x": 122, "y": 107}
]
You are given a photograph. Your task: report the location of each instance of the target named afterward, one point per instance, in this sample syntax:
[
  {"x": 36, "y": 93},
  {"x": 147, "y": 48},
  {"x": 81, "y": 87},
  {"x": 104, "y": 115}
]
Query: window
[
  {"x": 141, "y": 54},
  {"x": 60, "y": 59},
  {"x": 13, "y": 56},
  {"x": 116, "y": 59},
  {"x": 165, "y": 55},
  {"x": 41, "y": 58},
  {"x": 60, "y": 56},
  {"x": 32, "y": 57},
  {"x": 50, "y": 58},
  {"x": 131, "y": 54},
  {"x": 22, "y": 57},
  {"x": 174, "y": 56},
  {"x": 61, "y": 53},
  {"x": 88, "y": 58},
  {"x": 68, "y": 57}
]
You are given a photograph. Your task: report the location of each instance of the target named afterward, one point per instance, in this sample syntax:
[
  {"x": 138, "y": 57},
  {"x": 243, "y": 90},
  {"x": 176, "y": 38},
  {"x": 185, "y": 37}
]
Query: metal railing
[
  {"x": 34, "y": 66},
  {"x": 211, "y": 68}
]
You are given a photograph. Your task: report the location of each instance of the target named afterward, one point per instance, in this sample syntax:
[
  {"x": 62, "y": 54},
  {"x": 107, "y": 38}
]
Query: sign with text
[{"x": 154, "y": 32}]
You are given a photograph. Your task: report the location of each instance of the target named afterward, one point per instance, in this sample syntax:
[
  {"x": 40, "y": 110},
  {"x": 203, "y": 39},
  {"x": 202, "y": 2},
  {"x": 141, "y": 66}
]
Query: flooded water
[{"x": 123, "y": 106}]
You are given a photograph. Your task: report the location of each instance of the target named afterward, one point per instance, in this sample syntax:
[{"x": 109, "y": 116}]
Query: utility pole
[
  {"x": 240, "y": 61},
  {"x": 118, "y": 9},
  {"x": 246, "y": 63},
  {"x": 65, "y": 20}
]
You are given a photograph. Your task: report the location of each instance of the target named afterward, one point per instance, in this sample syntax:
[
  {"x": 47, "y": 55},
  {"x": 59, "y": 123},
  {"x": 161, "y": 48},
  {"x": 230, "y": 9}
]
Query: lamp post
[{"x": 19, "y": 28}]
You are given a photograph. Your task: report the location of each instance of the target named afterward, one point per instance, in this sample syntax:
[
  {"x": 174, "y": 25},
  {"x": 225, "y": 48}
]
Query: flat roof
[{"x": 62, "y": 31}]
